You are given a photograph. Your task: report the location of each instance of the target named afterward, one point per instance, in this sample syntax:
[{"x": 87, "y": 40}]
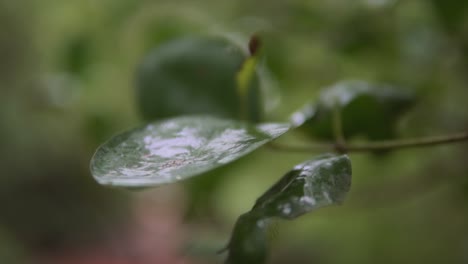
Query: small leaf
[
  {"x": 311, "y": 185},
  {"x": 247, "y": 72},
  {"x": 246, "y": 75},
  {"x": 366, "y": 109},
  {"x": 176, "y": 149}
]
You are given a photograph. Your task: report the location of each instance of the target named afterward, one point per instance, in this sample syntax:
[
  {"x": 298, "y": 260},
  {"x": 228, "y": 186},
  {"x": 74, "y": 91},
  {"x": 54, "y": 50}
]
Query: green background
[{"x": 67, "y": 84}]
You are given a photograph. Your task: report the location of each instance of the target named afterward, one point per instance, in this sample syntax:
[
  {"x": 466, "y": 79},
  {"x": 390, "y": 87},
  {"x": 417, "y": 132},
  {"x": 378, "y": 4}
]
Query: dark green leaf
[
  {"x": 176, "y": 149},
  {"x": 313, "y": 184},
  {"x": 366, "y": 109},
  {"x": 195, "y": 75}
]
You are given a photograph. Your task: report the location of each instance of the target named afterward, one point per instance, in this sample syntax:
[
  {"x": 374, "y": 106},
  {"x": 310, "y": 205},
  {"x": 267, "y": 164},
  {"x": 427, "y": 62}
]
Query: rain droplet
[
  {"x": 286, "y": 209},
  {"x": 261, "y": 223},
  {"x": 307, "y": 200}
]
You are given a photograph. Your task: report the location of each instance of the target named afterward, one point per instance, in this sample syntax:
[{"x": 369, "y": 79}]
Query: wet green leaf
[
  {"x": 316, "y": 183},
  {"x": 176, "y": 149},
  {"x": 196, "y": 75},
  {"x": 366, "y": 109}
]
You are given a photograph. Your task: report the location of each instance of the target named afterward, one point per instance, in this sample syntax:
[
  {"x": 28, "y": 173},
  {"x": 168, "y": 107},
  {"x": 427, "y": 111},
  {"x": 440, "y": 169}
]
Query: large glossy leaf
[
  {"x": 176, "y": 149},
  {"x": 366, "y": 109},
  {"x": 316, "y": 183},
  {"x": 196, "y": 75}
]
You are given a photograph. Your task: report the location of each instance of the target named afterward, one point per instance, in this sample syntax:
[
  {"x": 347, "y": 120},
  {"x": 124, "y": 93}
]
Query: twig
[{"x": 376, "y": 145}]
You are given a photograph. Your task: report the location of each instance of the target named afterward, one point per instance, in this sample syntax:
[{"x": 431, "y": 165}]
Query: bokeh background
[{"x": 67, "y": 84}]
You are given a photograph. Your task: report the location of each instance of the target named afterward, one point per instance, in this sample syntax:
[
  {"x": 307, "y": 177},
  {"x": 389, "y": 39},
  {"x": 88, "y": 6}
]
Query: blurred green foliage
[{"x": 67, "y": 83}]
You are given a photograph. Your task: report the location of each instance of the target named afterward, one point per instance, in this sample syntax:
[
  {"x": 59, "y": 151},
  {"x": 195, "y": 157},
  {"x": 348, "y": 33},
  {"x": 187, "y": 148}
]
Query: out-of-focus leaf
[
  {"x": 246, "y": 75},
  {"x": 316, "y": 183},
  {"x": 366, "y": 109},
  {"x": 176, "y": 149},
  {"x": 195, "y": 75}
]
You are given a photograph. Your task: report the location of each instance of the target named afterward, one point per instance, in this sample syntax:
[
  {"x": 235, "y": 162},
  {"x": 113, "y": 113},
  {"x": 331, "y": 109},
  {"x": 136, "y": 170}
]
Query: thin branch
[
  {"x": 410, "y": 143},
  {"x": 315, "y": 147},
  {"x": 377, "y": 145}
]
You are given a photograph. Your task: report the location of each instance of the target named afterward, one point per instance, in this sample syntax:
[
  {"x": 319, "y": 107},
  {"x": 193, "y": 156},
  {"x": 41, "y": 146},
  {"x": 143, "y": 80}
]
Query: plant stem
[
  {"x": 338, "y": 128},
  {"x": 376, "y": 145}
]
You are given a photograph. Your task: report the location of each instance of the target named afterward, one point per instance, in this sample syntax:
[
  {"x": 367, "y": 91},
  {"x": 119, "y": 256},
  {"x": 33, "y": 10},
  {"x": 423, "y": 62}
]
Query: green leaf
[
  {"x": 366, "y": 109},
  {"x": 196, "y": 75},
  {"x": 176, "y": 149},
  {"x": 316, "y": 183}
]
